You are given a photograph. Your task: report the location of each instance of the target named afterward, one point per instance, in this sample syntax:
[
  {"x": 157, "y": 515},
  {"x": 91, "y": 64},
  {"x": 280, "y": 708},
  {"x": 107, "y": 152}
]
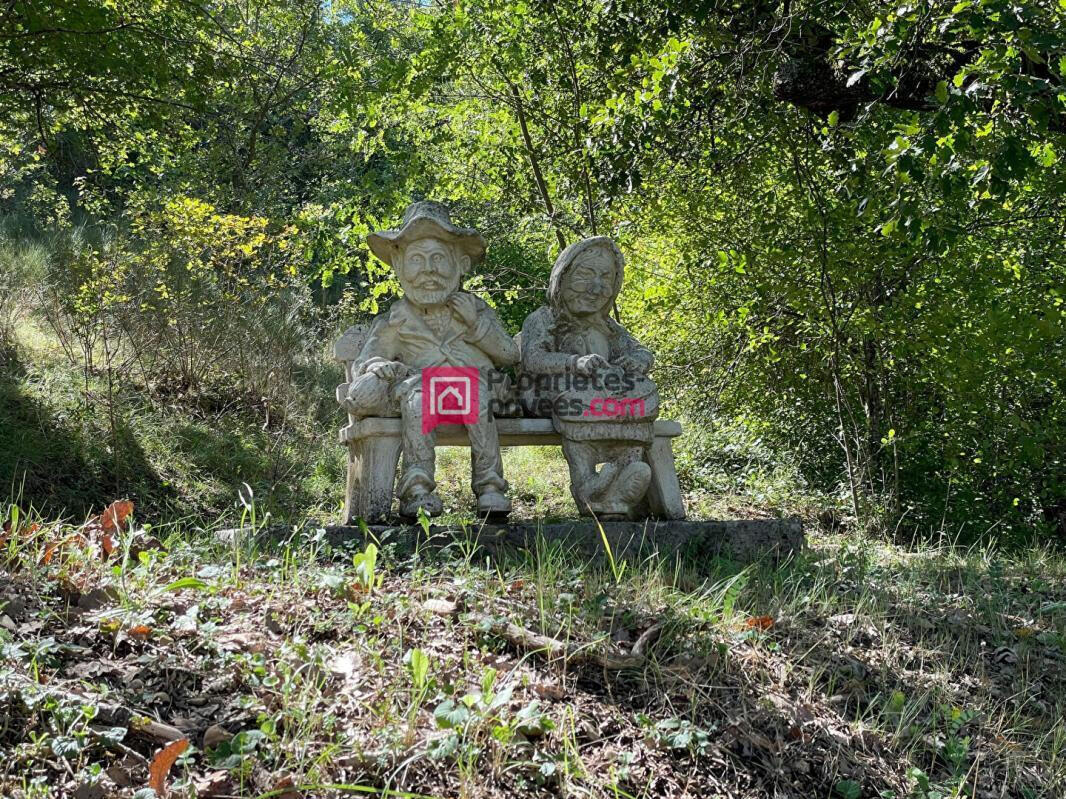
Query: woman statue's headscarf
[{"x": 568, "y": 257}]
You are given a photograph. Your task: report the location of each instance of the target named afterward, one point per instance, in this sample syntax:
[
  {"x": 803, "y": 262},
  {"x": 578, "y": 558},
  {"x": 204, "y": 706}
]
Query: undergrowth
[{"x": 304, "y": 665}]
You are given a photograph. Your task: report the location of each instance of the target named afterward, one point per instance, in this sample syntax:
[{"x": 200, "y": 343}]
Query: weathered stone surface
[
  {"x": 742, "y": 540},
  {"x": 585, "y": 372}
]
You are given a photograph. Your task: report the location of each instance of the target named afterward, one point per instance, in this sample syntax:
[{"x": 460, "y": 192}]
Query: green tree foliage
[{"x": 844, "y": 222}]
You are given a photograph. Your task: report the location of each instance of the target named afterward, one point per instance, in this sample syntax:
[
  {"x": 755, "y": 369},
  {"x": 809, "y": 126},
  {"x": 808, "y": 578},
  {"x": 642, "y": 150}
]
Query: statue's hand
[
  {"x": 389, "y": 371},
  {"x": 464, "y": 306},
  {"x": 633, "y": 365},
  {"x": 589, "y": 364}
]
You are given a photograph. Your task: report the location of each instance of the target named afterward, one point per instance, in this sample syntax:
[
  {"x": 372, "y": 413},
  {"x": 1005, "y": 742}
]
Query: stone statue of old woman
[{"x": 589, "y": 375}]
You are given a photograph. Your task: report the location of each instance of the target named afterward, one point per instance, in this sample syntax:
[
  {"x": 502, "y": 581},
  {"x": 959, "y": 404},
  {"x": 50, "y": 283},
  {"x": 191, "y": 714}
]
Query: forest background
[{"x": 843, "y": 223}]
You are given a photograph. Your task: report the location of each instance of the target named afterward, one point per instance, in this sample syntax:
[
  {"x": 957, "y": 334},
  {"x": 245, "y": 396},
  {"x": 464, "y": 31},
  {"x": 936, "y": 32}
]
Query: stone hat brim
[{"x": 386, "y": 243}]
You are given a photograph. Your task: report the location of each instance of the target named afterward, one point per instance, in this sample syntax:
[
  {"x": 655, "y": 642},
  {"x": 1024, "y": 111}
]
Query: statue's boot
[
  {"x": 599, "y": 482},
  {"x": 621, "y": 498},
  {"x": 596, "y": 485},
  {"x": 493, "y": 503},
  {"x": 417, "y": 490},
  {"x": 429, "y": 502}
]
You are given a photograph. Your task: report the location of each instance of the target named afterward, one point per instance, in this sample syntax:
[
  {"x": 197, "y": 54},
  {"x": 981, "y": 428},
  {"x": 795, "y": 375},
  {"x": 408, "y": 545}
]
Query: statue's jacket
[{"x": 421, "y": 340}]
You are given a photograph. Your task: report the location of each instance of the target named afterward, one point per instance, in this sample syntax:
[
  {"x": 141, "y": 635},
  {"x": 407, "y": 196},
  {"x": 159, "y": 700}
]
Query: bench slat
[{"x": 513, "y": 432}]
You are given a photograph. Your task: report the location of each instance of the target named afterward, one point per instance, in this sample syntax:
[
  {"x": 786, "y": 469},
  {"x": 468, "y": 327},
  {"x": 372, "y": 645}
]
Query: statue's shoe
[
  {"x": 429, "y": 502},
  {"x": 632, "y": 484},
  {"x": 599, "y": 482},
  {"x": 622, "y": 497},
  {"x": 493, "y": 503}
]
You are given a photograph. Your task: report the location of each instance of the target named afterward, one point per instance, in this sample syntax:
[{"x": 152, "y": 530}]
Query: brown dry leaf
[
  {"x": 26, "y": 531},
  {"x": 215, "y": 735},
  {"x": 345, "y": 665},
  {"x": 249, "y": 642},
  {"x": 441, "y": 607},
  {"x": 49, "y": 552},
  {"x": 54, "y": 547},
  {"x": 759, "y": 623},
  {"x": 215, "y": 783},
  {"x": 549, "y": 690},
  {"x": 108, "y": 544},
  {"x": 161, "y": 764},
  {"x": 287, "y": 788},
  {"x": 113, "y": 519}
]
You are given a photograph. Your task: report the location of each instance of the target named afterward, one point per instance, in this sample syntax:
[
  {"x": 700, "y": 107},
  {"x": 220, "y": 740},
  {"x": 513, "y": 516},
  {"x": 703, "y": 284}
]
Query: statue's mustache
[{"x": 430, "y": 283}]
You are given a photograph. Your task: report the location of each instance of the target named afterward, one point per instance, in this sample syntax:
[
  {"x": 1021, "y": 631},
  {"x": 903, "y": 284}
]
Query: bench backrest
[{"x": 349, "y": 345}]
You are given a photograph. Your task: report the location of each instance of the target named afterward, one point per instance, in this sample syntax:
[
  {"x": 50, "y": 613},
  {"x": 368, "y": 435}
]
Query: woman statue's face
[{"x": 588, "y": 286}]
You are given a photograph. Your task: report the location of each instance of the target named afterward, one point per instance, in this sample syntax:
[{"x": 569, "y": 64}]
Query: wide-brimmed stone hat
[{"x": 424, "y": 219}]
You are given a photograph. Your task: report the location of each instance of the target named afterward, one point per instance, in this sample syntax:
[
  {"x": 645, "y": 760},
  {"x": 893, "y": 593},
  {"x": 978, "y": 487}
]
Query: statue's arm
[
  {"x": 381, "y": 346},
  {"x": 631, "y": 350},
  {"x": 491, "y": 338},
  {"x": 538, "y": 356}
]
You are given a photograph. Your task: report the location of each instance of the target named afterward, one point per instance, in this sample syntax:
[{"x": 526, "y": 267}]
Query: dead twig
[
  {"x": 106, "y": 712},
  {"x": 577, "y": 654}
]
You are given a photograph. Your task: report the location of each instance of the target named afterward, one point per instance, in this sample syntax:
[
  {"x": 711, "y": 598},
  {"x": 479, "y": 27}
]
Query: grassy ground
[
  {"x": 857, "y": 670},
  {"x": 69, "y": 446},
  {"x": 861, "y": 669}
]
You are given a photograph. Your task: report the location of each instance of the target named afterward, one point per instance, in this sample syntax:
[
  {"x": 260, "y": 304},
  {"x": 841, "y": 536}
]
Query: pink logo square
[{"x": 449, "y": 396}]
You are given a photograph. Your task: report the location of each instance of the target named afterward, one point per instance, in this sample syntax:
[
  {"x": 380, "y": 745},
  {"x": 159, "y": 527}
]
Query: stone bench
[
  {"x": 374, "y": 452},
  {"x": 374, "y": 445}
]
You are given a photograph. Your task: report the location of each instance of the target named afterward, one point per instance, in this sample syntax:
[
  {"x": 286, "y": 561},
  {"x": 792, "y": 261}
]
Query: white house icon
[{"x": 458, "y": 388}]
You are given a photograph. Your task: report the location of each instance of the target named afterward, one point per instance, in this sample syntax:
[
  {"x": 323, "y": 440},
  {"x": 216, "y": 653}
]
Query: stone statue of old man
[{"x": 434, "y": 324}]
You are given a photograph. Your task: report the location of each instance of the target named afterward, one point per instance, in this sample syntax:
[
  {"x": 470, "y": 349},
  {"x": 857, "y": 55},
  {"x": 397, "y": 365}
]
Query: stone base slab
[{"x": 743, "y": 540}]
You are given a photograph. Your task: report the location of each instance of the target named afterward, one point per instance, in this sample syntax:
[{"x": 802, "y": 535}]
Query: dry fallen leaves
[
  {"x": 287, "y": 788},
  {"x": 759, "y": 623},
  {"x": 114, "y": 517},
  {"x": 440, "y": 607},
  {"x": 161, "y": 764},
  {"x": 110, "y": 523},
  {"x": 26, "y": 530}
]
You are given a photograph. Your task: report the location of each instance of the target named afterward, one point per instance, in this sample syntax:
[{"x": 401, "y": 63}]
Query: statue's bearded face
[
  {"x": 588, "y": 286},
  {"x": 430, "y": 271}
]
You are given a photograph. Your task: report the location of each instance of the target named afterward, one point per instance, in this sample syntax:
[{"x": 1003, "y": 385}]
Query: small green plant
[
  {"x": 418, "y": 667},
  {"x": 487, "y": 712},
  {"x": 681, "y": 734},
  {"x": 365, "y": 564}
]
